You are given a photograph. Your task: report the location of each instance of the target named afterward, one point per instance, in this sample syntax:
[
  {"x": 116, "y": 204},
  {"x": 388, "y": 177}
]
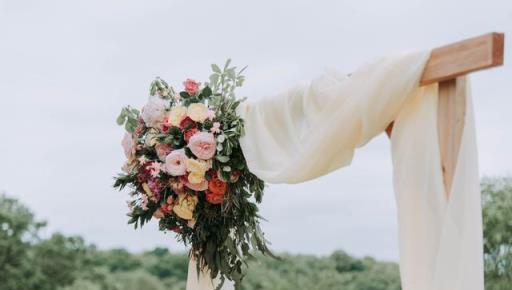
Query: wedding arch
[
  {"x": 197, "y": 159},
  {"x": 422, "y": 101}
]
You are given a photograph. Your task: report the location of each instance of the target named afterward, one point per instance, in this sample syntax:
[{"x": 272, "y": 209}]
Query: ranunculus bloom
[
  {"x": 154, "y": 112},
  {"x": 127, "y": 144},
  {"x": 197, "y": 112},
  {"x": 203, "y": 145},
  {"x": 175, "y": 163},
  {"x": 162, "y": 150},
  {"x": 191, "y": 86},
  {"x": 184, "y": 208},
  {"x": 189, "y": 133},
  {"x": 214, "y": 198},
  {"x": 217, "y": 186},
  {"x": 176, "y": 115},
  {"x": 201, "y": 186}
]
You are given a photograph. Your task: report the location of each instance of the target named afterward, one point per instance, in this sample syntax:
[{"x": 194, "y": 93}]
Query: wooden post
[
  {"x": 446, "y": 66},
  {"x": 451, "y": 113}
]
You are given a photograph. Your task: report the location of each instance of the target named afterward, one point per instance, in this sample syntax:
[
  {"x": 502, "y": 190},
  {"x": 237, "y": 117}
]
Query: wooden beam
[
  {"x": 460, "y": 58},
  {"x": 456, "y": 59}
]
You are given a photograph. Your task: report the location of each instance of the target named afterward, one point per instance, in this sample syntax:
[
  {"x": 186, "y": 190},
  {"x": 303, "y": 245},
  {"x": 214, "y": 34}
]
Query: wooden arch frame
[{"x": 445, "y": 66}]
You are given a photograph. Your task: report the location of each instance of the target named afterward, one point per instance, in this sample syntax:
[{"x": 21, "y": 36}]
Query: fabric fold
[{"x": 314, "y": 128}]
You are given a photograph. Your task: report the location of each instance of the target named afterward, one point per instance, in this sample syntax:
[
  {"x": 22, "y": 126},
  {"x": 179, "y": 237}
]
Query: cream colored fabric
[
  {"x": 314, "y": 128},
  {"x": 203, "y": 281}
]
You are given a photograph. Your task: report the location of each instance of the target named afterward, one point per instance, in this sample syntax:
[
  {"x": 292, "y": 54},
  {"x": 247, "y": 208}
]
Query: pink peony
[
  {"x": 127, "y": 144},
  {"x": 201, "y": 186},
  {"x": 191, "y": 86},
  {"x": 162, "y": 150},
  {"x": 154, "y": 112},
  {"x": 175, "y": 163},
  {"x": 203, "y": 145}
]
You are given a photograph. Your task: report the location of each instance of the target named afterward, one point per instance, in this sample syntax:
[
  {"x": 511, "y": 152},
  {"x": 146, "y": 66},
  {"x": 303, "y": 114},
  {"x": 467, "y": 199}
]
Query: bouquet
[{"x": 185, "y": 168}]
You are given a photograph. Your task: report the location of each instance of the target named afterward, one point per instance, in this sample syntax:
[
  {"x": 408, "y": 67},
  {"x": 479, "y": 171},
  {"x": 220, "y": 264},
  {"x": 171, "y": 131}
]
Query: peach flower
[{"x": 202, "y": 145}]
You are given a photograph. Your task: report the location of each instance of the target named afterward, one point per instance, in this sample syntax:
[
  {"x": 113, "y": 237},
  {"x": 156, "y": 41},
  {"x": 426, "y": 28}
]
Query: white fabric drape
[{"x": 314, "y": 128}]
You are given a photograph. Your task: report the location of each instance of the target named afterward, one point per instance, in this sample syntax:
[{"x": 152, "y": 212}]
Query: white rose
[
  {"x": 154, "y": 112},
  {"x": 197, "y": 112}
]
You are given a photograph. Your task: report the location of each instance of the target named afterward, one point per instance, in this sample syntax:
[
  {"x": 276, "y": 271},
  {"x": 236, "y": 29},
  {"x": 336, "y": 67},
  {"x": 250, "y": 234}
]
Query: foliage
[
  {"x": 497, "y": 216},
  {"x": 28, "y": 262}
]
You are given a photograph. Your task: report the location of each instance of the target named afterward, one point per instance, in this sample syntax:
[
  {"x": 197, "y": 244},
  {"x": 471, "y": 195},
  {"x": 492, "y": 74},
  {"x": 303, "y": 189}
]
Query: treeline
[{"x": 28, "y": 262}]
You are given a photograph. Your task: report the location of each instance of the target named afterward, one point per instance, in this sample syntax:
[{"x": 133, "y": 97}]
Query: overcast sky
[{"x": 67, "y": 67}]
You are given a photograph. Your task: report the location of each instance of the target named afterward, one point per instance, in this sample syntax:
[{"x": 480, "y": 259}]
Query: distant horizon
[{"x": 67, "y": 72}]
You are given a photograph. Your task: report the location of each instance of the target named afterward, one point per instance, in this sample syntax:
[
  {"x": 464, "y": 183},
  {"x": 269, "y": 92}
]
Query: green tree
[{"x": 497, "y": 219}]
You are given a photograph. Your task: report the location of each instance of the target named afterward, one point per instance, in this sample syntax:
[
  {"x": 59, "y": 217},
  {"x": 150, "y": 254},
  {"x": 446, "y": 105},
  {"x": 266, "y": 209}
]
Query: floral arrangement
[{"x": 186, "y": 169}]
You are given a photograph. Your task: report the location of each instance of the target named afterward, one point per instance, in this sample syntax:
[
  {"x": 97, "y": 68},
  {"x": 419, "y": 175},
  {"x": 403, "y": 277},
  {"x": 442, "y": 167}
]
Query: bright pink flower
[
  {"x": 211, "y": 115},
  {"x": 203, "y": 145},
  {"x": 175, "y": 163},
  {"x": 191, "y": 86}
]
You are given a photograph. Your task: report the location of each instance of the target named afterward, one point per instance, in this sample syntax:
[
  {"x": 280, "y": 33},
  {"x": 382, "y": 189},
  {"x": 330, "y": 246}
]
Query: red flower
[
  {"x": 187, "y": 124},
  {"x": 216, "y": 190},
  {"x": 189, "y": 133},
  {"x": 166, "y": 208}
]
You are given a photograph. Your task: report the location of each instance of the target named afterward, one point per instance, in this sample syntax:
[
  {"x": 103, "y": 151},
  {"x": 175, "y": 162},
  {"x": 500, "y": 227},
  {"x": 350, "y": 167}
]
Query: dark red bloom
[{"x": 187, "y": 124}]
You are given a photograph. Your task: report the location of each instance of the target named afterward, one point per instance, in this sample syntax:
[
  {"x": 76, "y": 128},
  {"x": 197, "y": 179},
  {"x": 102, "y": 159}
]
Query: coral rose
[
  {"x": 191, "y": 86},
  {"x": 216, "y": 190},
  {"x": 197, "y": 112},
  {"x": 202, "y": 145},
  {"x": 175, "y": 163}
]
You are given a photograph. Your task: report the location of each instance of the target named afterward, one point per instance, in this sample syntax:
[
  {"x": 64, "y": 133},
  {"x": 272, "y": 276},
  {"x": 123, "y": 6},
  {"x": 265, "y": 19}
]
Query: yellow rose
[
  {"x": 196, "y": 177},
  {"x": 146, "y": 188},
  {"x": 176, "y": 115},
  {"x": 197, "y": 112},
  {"x": 196, "y": 166},
  {"x": 185, "y": 206}
]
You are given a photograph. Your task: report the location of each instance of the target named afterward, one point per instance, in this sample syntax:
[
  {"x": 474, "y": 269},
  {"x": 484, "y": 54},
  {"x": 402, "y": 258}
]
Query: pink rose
[
  {"x": 162, "y": 150},
  {"x": 191, "y": 86},
  {"x": 202, "y": 144},
  {"x": 127, "y": 144},
  {"x": 201, "y": 186},
  {"x": 175, "y": 163}
]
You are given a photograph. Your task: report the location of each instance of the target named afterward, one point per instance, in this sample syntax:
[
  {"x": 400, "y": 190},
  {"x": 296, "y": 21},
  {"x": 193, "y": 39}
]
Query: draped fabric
[{"x": 314, "y": 128}]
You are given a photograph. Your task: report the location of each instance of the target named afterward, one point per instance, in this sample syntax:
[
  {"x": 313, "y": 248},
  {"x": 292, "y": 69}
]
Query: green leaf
[
  {"x": 184, "y": 95},
  {"x": 216, "y": 68}
]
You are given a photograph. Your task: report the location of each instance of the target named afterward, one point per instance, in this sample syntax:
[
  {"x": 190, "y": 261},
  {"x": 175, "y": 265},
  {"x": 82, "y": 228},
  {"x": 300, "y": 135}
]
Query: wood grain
[
  {"x": 456, "y": 59},
  {"x": 451, "y": 114}
]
